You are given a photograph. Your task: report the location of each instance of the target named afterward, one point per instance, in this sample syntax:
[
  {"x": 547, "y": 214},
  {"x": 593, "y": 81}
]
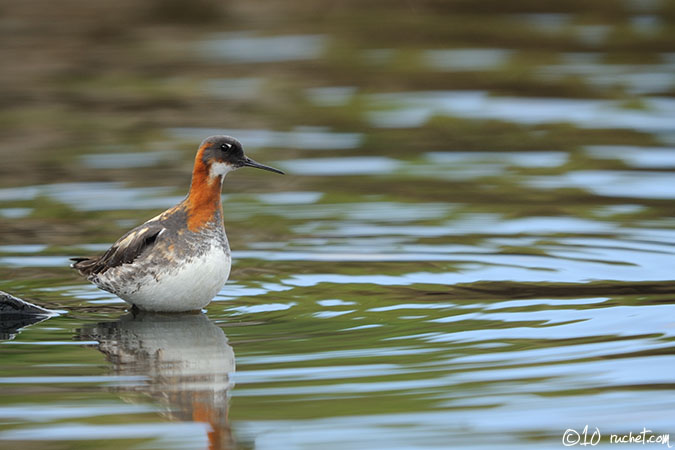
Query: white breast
[{"x": 188, "y": 287}]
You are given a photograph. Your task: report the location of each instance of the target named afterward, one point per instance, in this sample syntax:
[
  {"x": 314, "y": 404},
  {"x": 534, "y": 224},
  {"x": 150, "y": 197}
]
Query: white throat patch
[{"x": 220, "y": 169}]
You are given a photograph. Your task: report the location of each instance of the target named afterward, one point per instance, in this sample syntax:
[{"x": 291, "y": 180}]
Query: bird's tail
[{"x": 83, "y": 264}]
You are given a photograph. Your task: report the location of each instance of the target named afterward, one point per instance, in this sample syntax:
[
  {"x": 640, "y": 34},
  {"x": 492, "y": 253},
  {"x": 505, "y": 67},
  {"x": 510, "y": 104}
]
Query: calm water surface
[{"x": 442, "y": 267}]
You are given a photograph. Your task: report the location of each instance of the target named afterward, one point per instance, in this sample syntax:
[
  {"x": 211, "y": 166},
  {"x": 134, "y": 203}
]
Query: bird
[{"x": 180, "y": 259}]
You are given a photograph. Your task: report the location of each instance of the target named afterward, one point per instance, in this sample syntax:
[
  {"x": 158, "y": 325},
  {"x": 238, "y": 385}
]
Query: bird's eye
[{"x": 225, "y": 147}]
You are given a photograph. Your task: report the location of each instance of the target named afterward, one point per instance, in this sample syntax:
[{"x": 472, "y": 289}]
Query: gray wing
[{"x": 124, "y": 251}]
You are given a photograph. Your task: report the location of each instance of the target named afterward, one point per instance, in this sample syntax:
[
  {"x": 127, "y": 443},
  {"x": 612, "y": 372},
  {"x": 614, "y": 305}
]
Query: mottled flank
[{"x": 154, "y": 252}]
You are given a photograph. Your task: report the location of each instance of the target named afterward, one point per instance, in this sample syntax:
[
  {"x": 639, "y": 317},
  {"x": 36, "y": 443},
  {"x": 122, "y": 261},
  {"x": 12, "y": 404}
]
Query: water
[{"x": 473, "y": 246}]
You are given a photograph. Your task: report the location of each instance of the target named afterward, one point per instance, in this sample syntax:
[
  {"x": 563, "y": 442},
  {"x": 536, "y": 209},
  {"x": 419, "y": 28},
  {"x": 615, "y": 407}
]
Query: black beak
[{"x": 248, "y": 162}]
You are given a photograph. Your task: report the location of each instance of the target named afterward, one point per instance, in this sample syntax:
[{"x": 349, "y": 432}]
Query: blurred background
[{"x": 473, "y": 244}]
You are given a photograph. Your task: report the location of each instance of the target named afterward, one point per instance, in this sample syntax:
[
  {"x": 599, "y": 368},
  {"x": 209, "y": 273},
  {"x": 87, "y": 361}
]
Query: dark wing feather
[{"x": 124, "y": 251}]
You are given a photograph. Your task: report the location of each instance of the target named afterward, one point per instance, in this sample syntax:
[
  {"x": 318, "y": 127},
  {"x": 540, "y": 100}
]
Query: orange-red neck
[{"x": 203, "y": 201}]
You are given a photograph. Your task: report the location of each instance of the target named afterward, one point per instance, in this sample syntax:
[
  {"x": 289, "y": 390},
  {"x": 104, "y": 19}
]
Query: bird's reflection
[{"x": 185, "y": 358}]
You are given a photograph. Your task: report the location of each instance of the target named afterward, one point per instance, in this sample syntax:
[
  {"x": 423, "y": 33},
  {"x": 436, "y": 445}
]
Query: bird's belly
[{"x": 187, "y": 286}]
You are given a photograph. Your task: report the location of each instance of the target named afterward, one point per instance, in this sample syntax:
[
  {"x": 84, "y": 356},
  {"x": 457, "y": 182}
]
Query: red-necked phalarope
[{"x": 180, "y": 259}]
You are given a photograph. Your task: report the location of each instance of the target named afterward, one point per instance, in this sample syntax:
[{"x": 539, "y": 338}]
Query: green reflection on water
[{"x": 441, "y": 268}]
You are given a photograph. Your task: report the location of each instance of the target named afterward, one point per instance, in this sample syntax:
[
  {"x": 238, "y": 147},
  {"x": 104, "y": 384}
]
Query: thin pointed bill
[{"x": 248, "y": 162}]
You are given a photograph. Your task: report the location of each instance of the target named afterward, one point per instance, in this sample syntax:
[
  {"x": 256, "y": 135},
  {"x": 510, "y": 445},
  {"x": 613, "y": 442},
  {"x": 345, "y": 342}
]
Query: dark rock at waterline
[
  {"x": 16, "y": 314},
  {"x": 10, "y": 305}
]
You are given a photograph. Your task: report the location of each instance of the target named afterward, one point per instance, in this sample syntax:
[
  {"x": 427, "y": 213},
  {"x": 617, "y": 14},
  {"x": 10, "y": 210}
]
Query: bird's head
[{"x": 223, "y": 154}]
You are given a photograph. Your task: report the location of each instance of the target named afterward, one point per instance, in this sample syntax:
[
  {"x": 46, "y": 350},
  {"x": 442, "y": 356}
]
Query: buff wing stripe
[{"x": 124, "y": 251}]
